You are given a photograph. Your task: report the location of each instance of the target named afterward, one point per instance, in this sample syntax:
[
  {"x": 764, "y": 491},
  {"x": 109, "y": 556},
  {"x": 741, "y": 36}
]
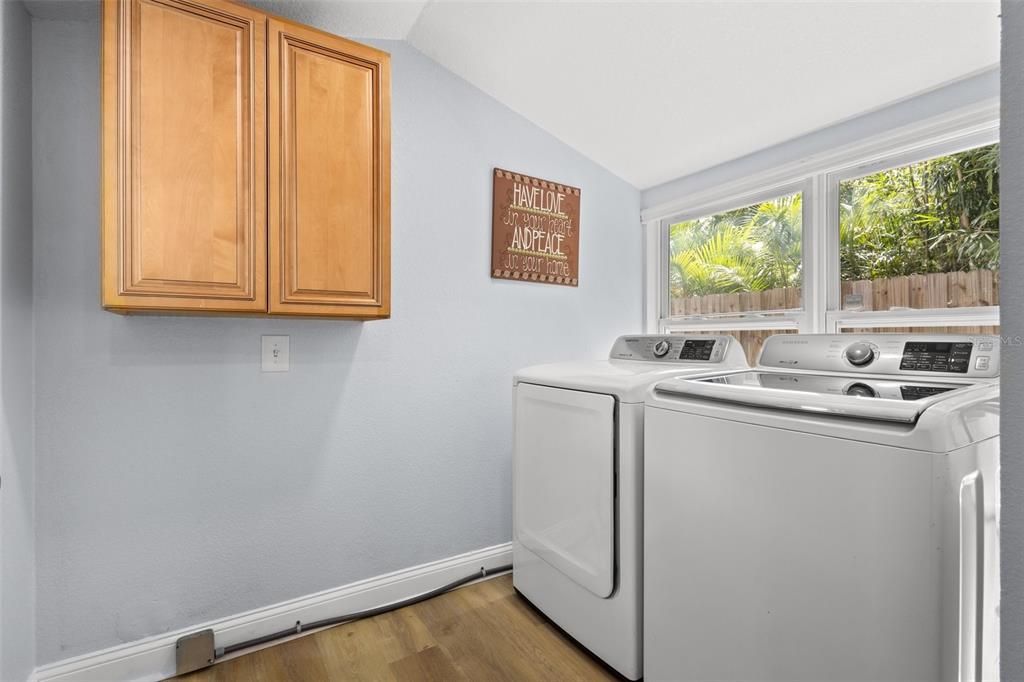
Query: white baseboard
[{"x": 153, "y": 658}]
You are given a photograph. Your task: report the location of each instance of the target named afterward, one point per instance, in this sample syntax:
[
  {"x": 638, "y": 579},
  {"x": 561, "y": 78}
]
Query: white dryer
[
  {"x": 831, "y": 514},
  {"x": 578, "y": 485}
]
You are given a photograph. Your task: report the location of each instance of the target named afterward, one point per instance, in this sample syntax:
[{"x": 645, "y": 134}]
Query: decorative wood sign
[{"x": 535, "y": 234}]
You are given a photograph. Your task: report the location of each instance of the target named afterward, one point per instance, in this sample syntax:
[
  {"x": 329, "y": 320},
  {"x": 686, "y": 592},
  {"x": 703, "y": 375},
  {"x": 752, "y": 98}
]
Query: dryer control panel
[
  {"x": 673, "y": 348},
  {"x": 930, "y": 354}
]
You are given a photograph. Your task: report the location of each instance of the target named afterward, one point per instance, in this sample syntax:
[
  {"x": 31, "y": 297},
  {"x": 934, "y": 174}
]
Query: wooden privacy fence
[{"x": 933, "y": 290}]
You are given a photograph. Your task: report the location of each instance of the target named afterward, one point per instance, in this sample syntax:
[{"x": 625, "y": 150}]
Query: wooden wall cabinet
[
  {"x": 329, "y": 169},
  {"x": 246, "y": 164}
]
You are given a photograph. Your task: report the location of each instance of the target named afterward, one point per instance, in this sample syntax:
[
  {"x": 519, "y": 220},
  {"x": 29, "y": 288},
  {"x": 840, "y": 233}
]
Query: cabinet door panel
[
  {"x": 184, "y": 155},
  {"x": 329, "y": 175}
]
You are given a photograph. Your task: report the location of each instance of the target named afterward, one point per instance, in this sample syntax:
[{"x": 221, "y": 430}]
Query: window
[
  {"x": 746, "y": 259},
  {"x": 923, "y": 235},
  {"x": 898, "y": 235}
]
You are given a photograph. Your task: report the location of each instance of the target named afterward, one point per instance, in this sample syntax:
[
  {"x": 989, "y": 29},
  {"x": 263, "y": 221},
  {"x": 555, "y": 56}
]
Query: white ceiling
[
  {"x": 657, "y": 90},
  {"x": 388, "y": 19}
]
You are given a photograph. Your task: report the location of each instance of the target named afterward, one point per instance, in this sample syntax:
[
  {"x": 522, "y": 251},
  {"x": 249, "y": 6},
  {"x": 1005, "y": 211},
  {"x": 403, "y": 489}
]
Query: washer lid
[
  {"x": 626, "y": 380},
  {"x": 637, "y": 361},
  {"x": 889, "y": 399}
]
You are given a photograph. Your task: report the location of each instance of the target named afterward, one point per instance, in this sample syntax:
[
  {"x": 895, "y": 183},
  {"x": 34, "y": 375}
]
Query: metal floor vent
[{"x": 194, "y": 651}]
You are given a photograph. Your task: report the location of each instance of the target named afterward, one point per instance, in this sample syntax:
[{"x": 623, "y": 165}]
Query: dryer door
[{"x": 564, "y": 482}]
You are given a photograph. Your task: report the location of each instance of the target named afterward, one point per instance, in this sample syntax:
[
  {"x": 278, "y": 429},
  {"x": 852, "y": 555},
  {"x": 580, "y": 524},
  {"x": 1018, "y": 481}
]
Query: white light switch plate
[{"x": 275, "y": 353}]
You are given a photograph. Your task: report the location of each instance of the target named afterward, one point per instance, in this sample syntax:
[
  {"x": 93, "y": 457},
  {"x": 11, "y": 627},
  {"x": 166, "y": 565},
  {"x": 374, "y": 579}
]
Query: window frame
[
  {"x": 818, "y": 179},
  {"x": 835, "y": 316},
  {"x": 792, "y": 317}
]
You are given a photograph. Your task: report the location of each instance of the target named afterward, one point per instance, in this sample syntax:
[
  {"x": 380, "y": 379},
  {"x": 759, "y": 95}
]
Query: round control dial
[
  {"x": 661, "y": 348},
  {"x": 860, "y": 390},
  {"x": 860, "y": 354}
]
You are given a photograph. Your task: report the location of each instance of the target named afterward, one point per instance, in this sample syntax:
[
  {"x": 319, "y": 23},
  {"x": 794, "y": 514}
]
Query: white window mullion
[
  {"x": 830, "y": 221},
  {"x": 655, "y": 275},
  {"x": 814, "y": 249}
]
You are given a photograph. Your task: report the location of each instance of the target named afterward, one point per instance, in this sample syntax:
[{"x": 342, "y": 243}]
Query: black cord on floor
[{"x": 337, "y": 620}]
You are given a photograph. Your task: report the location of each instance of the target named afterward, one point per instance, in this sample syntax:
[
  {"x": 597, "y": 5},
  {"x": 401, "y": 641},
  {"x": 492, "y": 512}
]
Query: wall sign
[{"x": 535, "y": 233}]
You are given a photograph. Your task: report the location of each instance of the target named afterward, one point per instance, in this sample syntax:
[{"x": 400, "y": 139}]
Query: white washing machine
[
  {"x": 578, "y": 485},
  {"x": 831, "y": 514}
]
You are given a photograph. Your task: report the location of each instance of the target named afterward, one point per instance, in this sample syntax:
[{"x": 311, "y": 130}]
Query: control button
[
  {"x": 860, "y": 354},
  {"x": 661, "y": 348},
  {"x": 985, "y": 346},
  {"x": 981, "y": 362},
  {"x": 860, "y": 390}
]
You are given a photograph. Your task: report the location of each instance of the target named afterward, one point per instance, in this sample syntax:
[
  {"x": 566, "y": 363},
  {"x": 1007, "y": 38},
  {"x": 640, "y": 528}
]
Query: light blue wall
[
  {"x": 176, "y": 483},
  {"x": 17, "y": 534},
  {"x": 1012, "y": 318},
  {"x": 973, "y": 90}
]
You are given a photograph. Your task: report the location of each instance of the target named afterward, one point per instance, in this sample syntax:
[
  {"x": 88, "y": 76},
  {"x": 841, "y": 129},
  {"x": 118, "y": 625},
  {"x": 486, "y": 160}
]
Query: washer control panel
[
  {"x": 938, "y": 356},
  {"x": 943, "y": 354},
  {"x": 673, "y": 348}
]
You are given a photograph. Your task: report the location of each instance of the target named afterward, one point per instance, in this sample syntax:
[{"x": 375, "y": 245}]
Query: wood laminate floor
[{"x": 483, "y": 631}]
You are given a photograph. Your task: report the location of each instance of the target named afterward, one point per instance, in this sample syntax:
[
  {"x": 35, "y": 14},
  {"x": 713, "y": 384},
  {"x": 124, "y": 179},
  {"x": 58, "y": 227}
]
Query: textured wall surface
[
  {"x": 176, "y": 483},
  {"x": 1012, "y": 318},
  {"x": 17, "y": 535}
]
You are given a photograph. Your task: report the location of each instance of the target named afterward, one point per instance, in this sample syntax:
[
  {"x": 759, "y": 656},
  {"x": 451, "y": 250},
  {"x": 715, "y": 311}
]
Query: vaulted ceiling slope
[
  {"x": 657, "y": 90},
  {"x": 384, "y": 19}
]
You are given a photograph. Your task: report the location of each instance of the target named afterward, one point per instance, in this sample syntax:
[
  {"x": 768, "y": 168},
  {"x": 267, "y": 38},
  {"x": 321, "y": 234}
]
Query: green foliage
[
  {"x": 748, "y": 249},
  {"x": 939, "y": 215}
]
